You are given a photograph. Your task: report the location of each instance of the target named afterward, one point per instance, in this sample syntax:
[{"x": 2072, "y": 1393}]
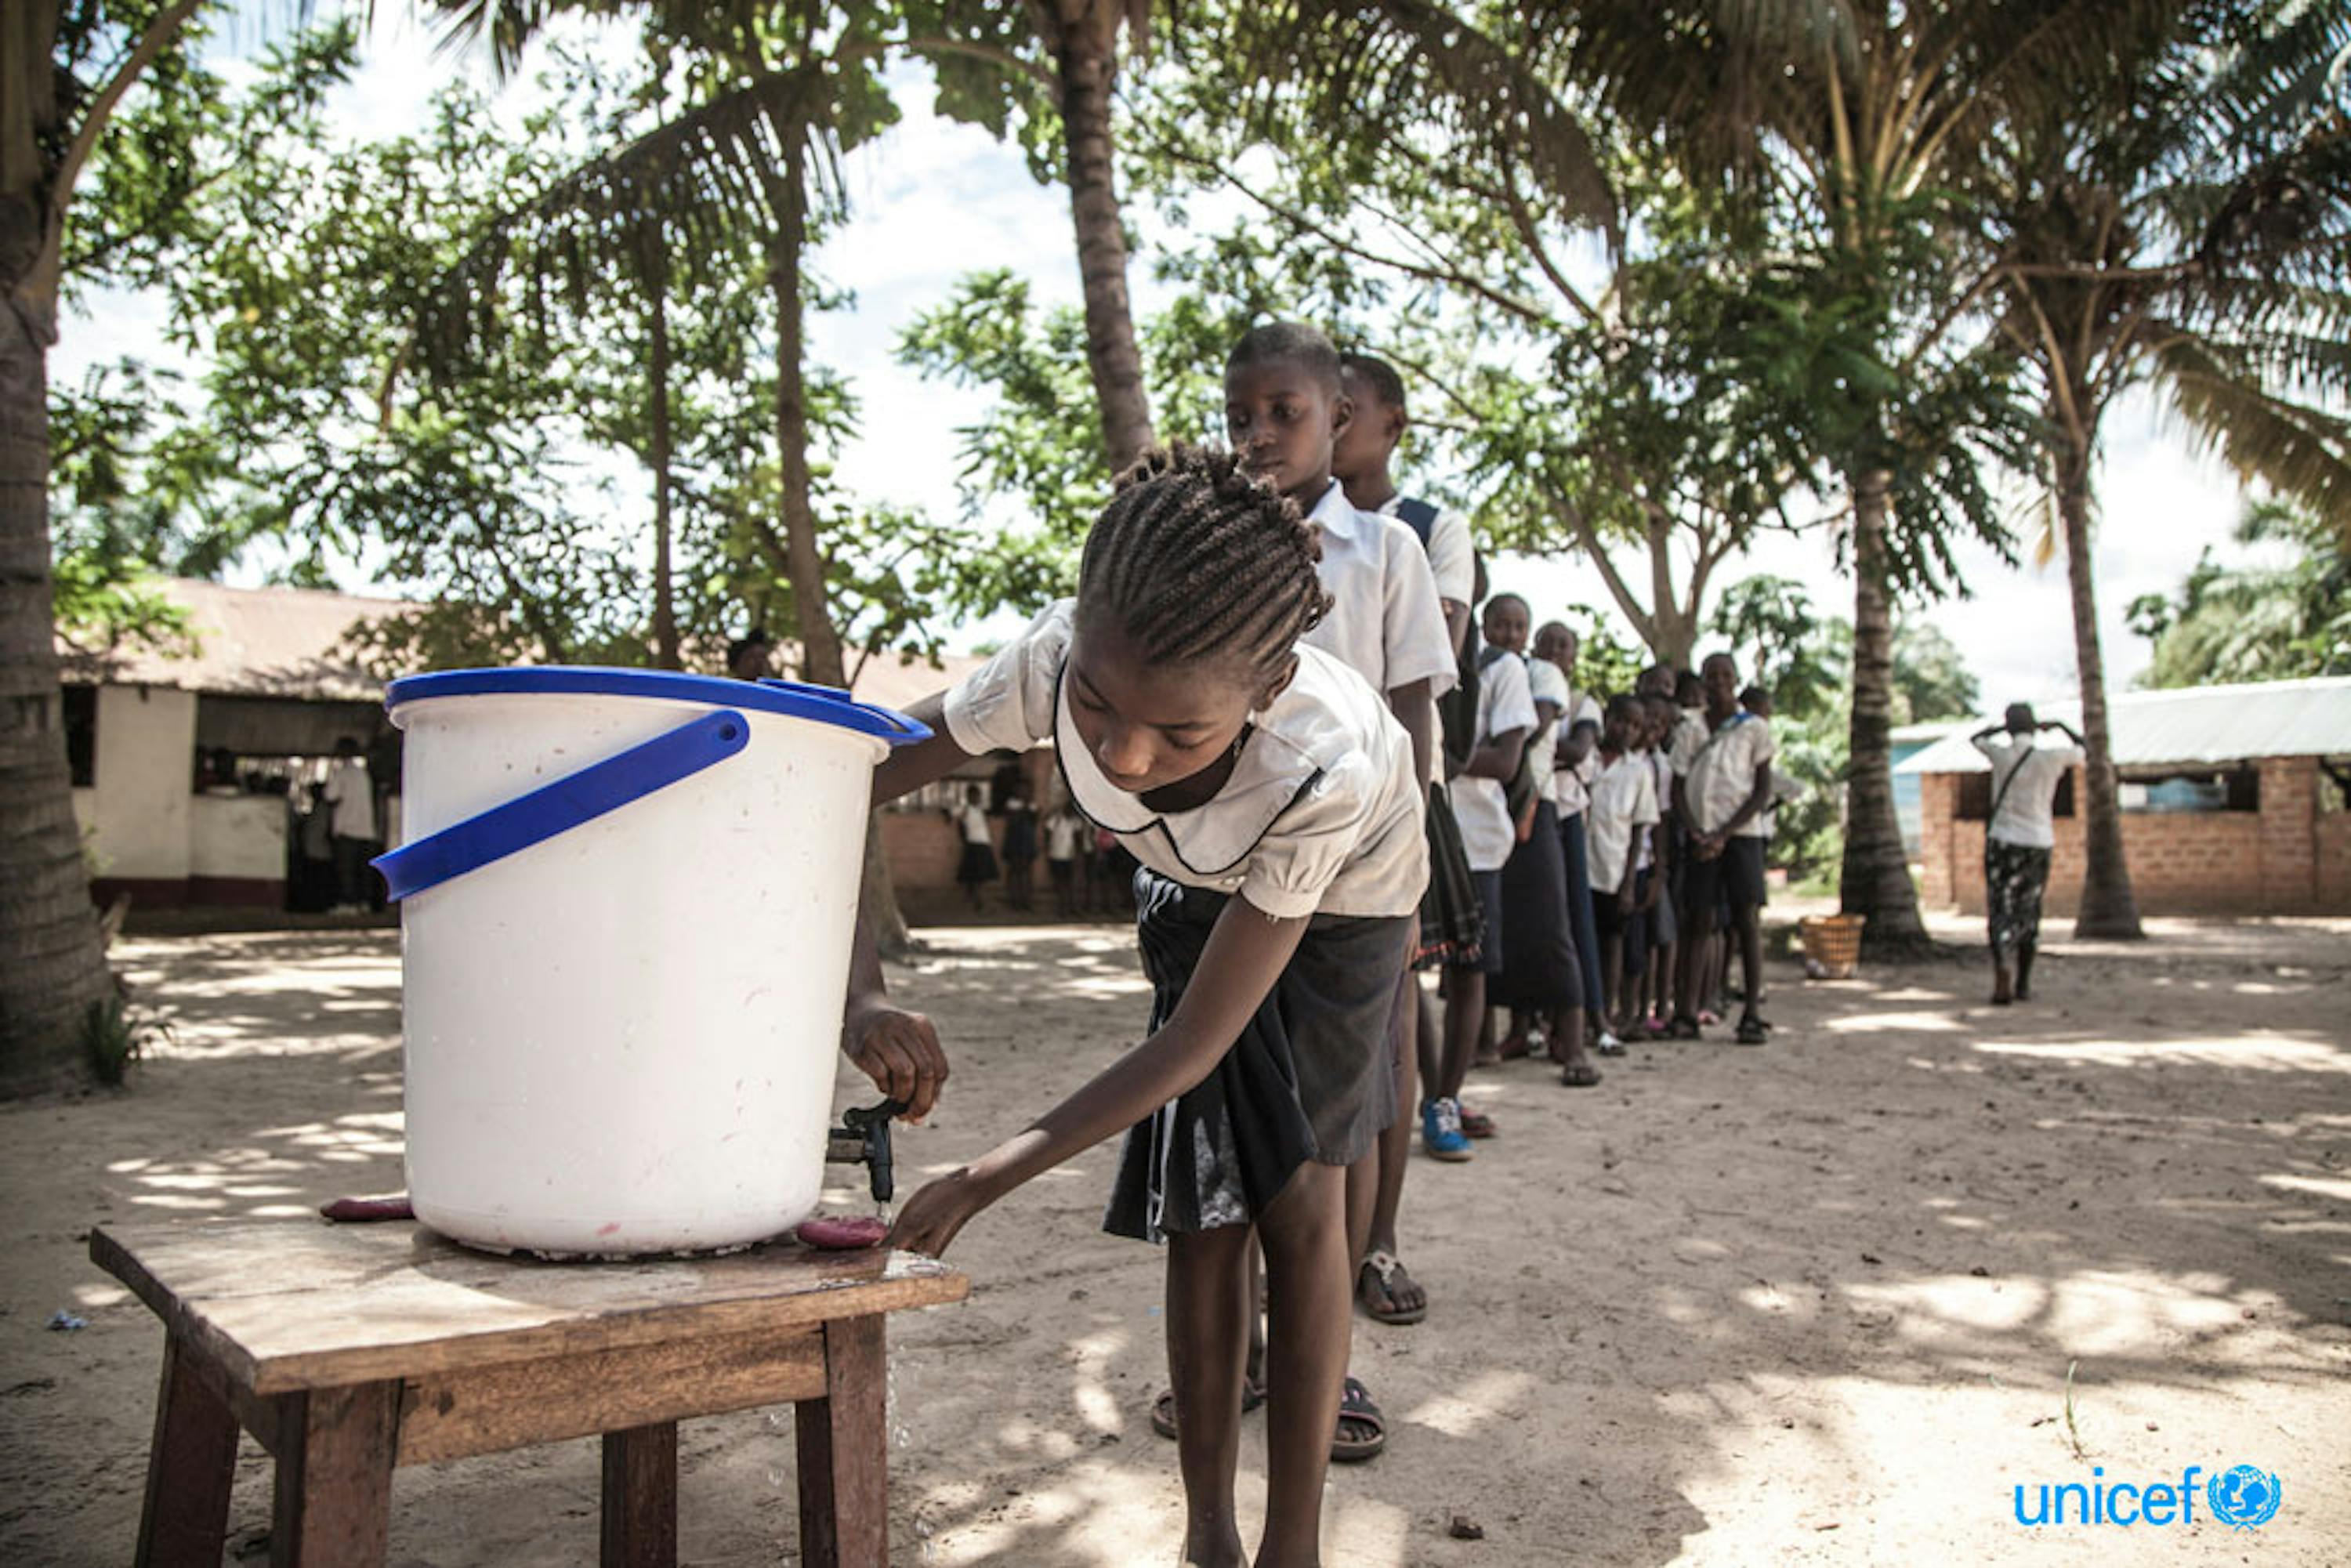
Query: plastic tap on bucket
[{"x": 558, "y": 808}]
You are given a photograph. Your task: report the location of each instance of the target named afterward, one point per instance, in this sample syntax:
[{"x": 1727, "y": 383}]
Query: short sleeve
[
  {"x": 1452, "y": 559},
  {"x": 1513, "y": 707},
  {"x": 1296, "y": 862},
  {"x": 1006, "y": 703},
  {"x": 1412, "y": 628},
  {"x": 2067, "y": 756},
  {"x": 1763, "y": 748},
  {"x": 1689, "y": 740},
  {"x": 1547, "y": 684},
  {"x": 1645, "y": 803},
  {"x": 1587, "y": 711}
]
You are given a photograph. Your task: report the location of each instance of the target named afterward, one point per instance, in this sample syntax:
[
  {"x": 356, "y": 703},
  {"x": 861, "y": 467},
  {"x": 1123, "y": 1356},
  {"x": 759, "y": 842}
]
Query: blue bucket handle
[{"x": 559, "y": 807}]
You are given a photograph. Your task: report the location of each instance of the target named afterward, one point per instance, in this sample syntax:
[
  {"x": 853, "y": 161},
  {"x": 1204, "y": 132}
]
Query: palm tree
[
  {"x": 2188, "y": 228},
  {"x": 1862, "y": 115},
  {"x": 52, "y": 959}
]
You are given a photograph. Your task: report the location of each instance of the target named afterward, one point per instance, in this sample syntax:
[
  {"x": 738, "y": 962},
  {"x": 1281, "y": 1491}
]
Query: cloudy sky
[{"x": 932, "y": 201}]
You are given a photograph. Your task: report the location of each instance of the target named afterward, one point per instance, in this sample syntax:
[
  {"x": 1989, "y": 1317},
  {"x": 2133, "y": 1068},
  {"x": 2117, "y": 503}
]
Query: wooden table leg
[
  {"x": 335, "y": 1454},
  {"x": 190, "y": 1466},
  {"x": 844, "y": 1451},
  {"x": 640, "y": 1528}
]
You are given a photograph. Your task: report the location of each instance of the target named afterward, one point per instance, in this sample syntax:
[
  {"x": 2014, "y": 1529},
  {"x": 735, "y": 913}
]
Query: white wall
[
  {"x": 237, "y": 836},
  {"x": 144, "y": 769}
]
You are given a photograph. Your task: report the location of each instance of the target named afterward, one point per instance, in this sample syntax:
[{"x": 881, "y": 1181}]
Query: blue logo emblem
[{"x": 2243, "y": 1497}]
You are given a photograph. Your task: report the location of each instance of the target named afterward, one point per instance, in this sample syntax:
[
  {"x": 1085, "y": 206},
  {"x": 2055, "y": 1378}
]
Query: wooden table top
[{"x": 288, "y": 1305}]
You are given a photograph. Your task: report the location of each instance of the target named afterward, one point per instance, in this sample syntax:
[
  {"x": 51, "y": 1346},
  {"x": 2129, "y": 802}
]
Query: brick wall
[
  {"x": 923, "y": 847},
  {"x": 2288, "y": 858}
]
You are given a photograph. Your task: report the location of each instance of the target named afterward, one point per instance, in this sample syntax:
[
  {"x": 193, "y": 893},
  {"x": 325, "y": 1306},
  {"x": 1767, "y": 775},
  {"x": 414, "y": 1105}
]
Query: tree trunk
[
  {"x": 52, "y": 960},
  {"x": 1875, "y": 877},
  {"x": 821, "y": 655},
  {"x": 2108, "y": 908},
  {"x": 665, "y": 651},
  {"x": 1086, "y": 61}
]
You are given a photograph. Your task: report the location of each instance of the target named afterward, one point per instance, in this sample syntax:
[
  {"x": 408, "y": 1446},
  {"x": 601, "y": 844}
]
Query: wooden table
[{"x": 348, "y": 1350}]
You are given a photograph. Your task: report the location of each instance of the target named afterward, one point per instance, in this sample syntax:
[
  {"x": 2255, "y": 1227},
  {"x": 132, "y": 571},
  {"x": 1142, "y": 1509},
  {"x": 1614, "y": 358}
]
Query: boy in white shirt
[
  {"x": 1722, "y": 786},
  {"x": 1575, "y": 738},
  {"x": 1284, "y": 412},
  {"x": 2019, "y": 838},
  {"x": 1619, "y": 817}
]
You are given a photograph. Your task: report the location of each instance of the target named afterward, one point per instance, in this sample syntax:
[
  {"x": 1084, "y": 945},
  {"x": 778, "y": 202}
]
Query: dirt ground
[{"x": 1810, "y": 1303}]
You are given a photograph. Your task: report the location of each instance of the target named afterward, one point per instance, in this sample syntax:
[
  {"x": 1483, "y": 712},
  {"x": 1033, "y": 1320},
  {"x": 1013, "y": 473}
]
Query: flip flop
[
  {"x": 1355, "y": 1404},
  {"x": 1684, "y": 1028},
  {"x": 1752, "y": 1031},
  {"x": 1162, "y": 1409},
  {"x": 1385, "y": 1267},
  {"x": 1580, "y": 1075}
]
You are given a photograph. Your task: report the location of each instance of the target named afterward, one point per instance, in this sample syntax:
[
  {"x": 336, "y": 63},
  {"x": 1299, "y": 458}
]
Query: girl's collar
[{"x": 1212, "y": 838}]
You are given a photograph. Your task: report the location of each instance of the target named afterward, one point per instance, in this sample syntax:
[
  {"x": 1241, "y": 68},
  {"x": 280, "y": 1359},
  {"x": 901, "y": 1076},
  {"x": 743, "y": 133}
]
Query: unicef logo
[{"x": 2243, "y": 1497}]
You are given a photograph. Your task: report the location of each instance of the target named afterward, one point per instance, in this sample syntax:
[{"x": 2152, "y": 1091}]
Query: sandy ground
[{"x": 1815, "y": 1302}]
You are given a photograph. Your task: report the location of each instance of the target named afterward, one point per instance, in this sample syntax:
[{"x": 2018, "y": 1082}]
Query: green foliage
[
  {"x": 1931, "y": 679},
  {"x": 2256, "y": 622},
  {"x": 110, "y": 1041},
  {"x": 1783, "y": 645}
]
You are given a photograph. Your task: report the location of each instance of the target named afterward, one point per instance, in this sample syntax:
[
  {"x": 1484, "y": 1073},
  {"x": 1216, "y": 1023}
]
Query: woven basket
[{"x": 1833, "y": 944}]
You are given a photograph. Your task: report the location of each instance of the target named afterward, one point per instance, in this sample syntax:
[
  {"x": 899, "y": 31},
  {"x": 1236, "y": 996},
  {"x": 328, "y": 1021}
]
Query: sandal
[
  {"x": 1476, "y": 1124},
  {"x": 1752, "y": 1031},
  {"x": 1684, "y": 1027},
  {"x": 1162, "y": 1409},
  {"x": 1580, "y": 1075},
  {"x": 1355, "y": 1406},
  {"x": 1379, "y": 1295}
]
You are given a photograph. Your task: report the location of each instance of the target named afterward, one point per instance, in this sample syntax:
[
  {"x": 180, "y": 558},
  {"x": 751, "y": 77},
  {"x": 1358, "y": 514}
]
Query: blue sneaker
[{"x": 1440, "y": 1131}]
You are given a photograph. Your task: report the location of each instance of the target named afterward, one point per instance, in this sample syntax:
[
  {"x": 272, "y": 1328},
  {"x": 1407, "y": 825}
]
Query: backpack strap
[{"x": 1417, "y": 514}]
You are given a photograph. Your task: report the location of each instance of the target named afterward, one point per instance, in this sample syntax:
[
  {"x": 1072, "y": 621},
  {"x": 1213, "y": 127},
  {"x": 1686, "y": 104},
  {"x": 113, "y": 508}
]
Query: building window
[
  {"x": 2162, "y": 790},
  {"x": 81, "y": 735}
]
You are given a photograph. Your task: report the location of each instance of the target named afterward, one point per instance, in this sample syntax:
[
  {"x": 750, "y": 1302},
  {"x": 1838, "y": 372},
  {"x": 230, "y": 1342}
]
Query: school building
[
  {"x": 191, "y": 765},
  {"x": 2233, "y": 802}
]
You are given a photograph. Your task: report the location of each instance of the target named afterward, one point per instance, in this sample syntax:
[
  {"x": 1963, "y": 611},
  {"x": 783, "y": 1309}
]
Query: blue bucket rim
[{"x": 793, "y": 699}]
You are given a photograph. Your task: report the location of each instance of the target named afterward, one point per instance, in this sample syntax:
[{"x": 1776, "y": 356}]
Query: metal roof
[
  {"x": 290, "y": 643},
  {"x": 2192, "y": 724}
]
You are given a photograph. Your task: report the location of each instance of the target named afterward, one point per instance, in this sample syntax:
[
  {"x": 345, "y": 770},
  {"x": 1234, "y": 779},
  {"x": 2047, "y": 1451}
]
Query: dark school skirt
[
  {"x": 1452, "y": 925},
  {"x": 978, "y": 863},
  {"x": 1312, "y": 1076},
  {"x": 1581, "y": 921},
  {"x": 1540, "y": 969}
]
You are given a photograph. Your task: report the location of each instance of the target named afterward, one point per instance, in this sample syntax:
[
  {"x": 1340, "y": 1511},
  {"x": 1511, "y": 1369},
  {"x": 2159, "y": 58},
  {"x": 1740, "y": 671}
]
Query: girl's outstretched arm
[
  {"x": 898, "y": 1049},
  {"x": 1246, "y": 953}
]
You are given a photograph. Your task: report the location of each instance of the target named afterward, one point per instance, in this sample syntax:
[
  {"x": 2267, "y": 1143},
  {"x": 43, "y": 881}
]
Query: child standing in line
[
  {"x": 1360, "y": 459},
  {"x": 1620, "y": 816},
  {"x": 1574, "y": 740},
  {"x": 1665, "y": 900},
  {"x": 1722, "y": 786},
  {"x": 1271, "y": 798},
  {"x": 1285, "y": 414}
]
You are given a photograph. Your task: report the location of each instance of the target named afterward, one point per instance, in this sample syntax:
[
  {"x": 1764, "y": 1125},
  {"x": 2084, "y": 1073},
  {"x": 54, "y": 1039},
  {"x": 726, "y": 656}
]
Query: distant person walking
[
  {"x": 350, "y": 794},
  {"x": 977, "y": 867},
  {"x": 2019, "y": 838}
]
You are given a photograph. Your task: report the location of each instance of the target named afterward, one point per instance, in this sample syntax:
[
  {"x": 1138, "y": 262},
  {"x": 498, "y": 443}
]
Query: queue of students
[{"x": 1267, "y": 690}]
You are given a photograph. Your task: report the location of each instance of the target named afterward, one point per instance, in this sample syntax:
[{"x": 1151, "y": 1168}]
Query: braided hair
[{"x": 1197, "y": 560}]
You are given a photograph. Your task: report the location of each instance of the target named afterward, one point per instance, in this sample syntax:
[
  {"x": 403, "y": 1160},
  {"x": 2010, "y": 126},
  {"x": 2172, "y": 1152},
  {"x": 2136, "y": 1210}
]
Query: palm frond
[
  {"x": 687, "y": 188},
  {"x": 2301, "y": 452}
]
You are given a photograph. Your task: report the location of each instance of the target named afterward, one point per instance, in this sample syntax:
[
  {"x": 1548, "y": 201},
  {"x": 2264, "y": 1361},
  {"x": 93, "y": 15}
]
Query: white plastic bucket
[{"x": 626, "y": 906}]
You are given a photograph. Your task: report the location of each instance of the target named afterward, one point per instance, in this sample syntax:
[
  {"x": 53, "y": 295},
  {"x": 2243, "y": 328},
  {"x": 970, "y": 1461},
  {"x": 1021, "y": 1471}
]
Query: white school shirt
[
  {"x": 2025, "y": 815},
  {"x": 1623, "y": 796},
  {"x": 1452, "y": 559},
  {"x": 1061, "y": 837},
  {"x": 1661, "y": 777},
  {"x": 974, "y": 823},
  {"x": 1384, "y": 622},
  {"x": 1322, "y": 814},
  {"x": 1718, "y": 770},
  {"x": 1571, "y": 788},
  {"x": 1505, "y": 703},
  {"x": 353, "y": 796}
]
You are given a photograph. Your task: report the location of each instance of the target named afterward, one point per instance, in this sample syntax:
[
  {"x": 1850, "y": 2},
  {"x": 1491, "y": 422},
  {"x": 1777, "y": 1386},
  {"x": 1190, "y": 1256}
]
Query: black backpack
[{"x": 1457, "y": 710}]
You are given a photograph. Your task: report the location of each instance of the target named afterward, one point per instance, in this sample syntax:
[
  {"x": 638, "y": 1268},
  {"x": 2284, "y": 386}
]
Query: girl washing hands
[{"x": 1271, "y": 800}]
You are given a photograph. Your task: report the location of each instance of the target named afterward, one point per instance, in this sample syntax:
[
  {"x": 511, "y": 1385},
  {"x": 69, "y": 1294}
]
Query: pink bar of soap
[{"x": 843, "y": 1235}]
